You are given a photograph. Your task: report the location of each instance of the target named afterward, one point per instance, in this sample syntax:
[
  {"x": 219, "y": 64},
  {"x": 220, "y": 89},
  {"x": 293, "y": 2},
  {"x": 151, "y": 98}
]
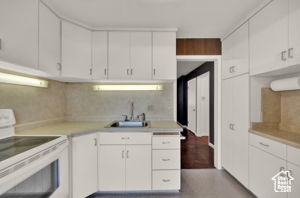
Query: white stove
[{"x": 31, "y": 165}]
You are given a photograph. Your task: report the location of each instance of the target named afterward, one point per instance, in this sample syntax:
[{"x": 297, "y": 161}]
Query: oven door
[{"x": 49, "y": 178}]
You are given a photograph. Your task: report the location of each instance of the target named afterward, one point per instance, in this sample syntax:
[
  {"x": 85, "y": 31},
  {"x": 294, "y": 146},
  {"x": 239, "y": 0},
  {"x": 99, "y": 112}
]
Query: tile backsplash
[
  {"x": 78, "y": 101},
  {"x": 281, "y": 109},
  {"x": 83, "y": 103},
  {"x": 33, "y": 105}
]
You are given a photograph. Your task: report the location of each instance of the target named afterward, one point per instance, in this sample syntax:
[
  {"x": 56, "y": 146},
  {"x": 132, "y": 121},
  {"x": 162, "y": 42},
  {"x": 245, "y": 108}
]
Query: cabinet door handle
[
  {"x": 127, "y": 71},
  {"x": 166, "y": 180},
  {"x": 123, "y": 154},
  {"x": 283, "y": 56},
  {"x": 165, "y": 142},
  {"x": 127, "y": 154},
  {"x": 131, "y": 72},
  {"x": 105, "y": 72},
  {"x": 165, "y": 160},
  {"x": 95, "y": 142},
  {"x": 154, "y": 71},
  {"x": 291, "y": 52},
  {"x": 263, "y": 144}
]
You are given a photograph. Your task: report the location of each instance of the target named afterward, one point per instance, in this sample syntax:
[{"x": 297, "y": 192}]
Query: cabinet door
[
  {"x": 262, "y": 168},
  {"x": 49, "y": 41},
  {"x": 294, "y": 30},
  {"x": 227, "y": 135},
  {"x": 236, "y": 53},
  {"x": 141, "y": 55},
  {"x": 192, "y": 113},
  {"x": 111, "y": 167},
  {"x": 76, "y": 51},
  {"x": 84, "y": 163},
  {"x": 240, "y": 128},
  {"x": 138, "y": 167},
  {"x": 295, "y": 173},
  {"x": 164, "y": 56},
  {"x": 19, "y": 32},
  {"x": 119, "y": 55},
  {"x": 100, "y": 46},
  {"x": 269, "y": 38}
]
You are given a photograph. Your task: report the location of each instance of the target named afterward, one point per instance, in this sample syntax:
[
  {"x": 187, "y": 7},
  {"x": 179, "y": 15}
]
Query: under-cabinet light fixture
[
  {"x": 128, "y": 87},
  {"x": 21, "y": 80}
]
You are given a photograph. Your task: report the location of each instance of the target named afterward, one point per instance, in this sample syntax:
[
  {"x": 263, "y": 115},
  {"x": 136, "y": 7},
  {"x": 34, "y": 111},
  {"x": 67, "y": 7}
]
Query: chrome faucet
[{"x": 131, "y": 111}]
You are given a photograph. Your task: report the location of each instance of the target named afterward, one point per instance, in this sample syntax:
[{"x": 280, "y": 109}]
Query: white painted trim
[
  {"x": 217, "y": 70},
  {"x": 247, "y": 18},
  {"x": 211, "y": 145}
]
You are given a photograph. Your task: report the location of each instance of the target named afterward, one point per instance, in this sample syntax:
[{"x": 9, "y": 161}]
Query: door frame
[{"x": 217, "y": 111}]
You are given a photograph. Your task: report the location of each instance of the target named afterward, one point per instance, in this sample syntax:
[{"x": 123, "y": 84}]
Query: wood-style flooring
[{"x": 195, "y": 152}]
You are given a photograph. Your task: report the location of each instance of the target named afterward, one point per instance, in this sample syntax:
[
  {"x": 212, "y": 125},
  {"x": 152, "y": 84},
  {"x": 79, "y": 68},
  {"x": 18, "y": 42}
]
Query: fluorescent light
[
  {"x": 21, "y": 80},
  {"x": 127, "y": 87}
]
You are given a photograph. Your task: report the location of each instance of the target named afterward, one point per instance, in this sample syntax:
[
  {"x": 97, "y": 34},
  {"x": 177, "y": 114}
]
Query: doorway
[{"x": 195, "y": 111}]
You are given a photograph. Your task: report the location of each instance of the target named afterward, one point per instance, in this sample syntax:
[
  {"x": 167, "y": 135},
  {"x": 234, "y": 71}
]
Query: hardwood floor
[{"x": 195, "y": 152}]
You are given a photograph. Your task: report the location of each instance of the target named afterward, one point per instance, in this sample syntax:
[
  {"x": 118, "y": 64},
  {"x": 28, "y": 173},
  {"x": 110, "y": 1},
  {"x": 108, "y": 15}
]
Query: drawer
[
  {"x": 125, "y": 138},
  {"x": 166, "y": 159},
  {"x": 166, "y": 142},
  {"x": 268, "y": 145},
  {"x": 293, "y": 155},
  {"x": 166, "y": 180}
]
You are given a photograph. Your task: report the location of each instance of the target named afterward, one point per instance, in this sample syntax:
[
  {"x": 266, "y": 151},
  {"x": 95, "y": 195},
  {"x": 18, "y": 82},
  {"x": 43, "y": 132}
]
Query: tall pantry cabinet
[{"x": 235, "y": 104}]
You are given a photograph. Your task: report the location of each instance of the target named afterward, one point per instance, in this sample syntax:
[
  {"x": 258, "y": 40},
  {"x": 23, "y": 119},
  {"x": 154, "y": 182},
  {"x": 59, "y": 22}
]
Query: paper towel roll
[{"x": 286, "y": 84}]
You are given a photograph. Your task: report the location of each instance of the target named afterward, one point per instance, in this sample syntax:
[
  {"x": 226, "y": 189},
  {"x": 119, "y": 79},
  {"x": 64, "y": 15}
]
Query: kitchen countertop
[
  {"x": 292, "y": 139},
  {"x": 75, "y": 128}
]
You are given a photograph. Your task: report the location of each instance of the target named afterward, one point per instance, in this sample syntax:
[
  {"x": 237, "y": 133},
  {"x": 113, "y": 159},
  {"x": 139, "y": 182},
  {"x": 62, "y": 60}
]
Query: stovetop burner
[{"x": 15, "y": 145}]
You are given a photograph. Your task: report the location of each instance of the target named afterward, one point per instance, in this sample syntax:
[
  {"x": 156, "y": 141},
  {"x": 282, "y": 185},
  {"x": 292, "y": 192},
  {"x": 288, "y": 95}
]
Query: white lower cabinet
[
  {"x": 124, "y": 167},
  {"x": 262, "y": 168},
  {"x": 166, "y": 179},
  {"x": 166, "y": 162},
  {"x": 84, "y": 165},
  {"x": 111, "y": 167},
  {"x": 138, "y": 167}
]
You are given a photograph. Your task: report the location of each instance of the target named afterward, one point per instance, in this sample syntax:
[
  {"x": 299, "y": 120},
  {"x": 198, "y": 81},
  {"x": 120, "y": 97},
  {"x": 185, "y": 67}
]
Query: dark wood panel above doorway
[{"x": 206, "y": 46}]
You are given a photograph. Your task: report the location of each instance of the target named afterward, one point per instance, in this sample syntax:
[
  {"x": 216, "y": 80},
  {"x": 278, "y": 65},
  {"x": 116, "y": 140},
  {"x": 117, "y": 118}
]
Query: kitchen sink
[{"x": 130, "y": 124}]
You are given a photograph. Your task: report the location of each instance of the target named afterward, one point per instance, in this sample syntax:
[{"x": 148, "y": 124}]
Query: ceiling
[
  {"x": 194, "y": 18},
  {"x": 185, "y": 67}
]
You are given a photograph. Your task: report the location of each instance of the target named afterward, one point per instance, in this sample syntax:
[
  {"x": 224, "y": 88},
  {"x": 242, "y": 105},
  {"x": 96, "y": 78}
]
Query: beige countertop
[
  {"x": 292, "y": 139},
  {"x": 72, "y": 129}
]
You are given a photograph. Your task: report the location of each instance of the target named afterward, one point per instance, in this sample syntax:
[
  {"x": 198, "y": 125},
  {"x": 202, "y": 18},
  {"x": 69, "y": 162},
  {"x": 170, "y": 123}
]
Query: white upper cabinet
[
  {"x": 100, "y": 46},
  {"x": 294, "y": 32},
  {"x": 76, "y": 51},
  {"x": 164, "y": 56},
  {"x": 49, "y": 41},
  {"x": 269, "y": 38},
  {"x": 19, "y": 32},
  {"x": 141, "y": 55},
  {"x": 235, "y": 51},
  {"x": 119, "y": 55}
]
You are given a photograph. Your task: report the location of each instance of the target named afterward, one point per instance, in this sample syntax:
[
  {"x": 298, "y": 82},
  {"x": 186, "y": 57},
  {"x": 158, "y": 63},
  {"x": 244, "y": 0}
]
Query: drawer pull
[
  {"x": 166, "y": 180},
  {"x": 125, "y": 138},
  {"x": 263, "y": 144},
  {"x": 165, "y": 160},
  {"x": 166, "y": 142}
]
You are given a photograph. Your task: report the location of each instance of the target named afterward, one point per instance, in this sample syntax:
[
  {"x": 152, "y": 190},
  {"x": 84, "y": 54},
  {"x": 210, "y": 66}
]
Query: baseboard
[{"x": 211, "y": 145}]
